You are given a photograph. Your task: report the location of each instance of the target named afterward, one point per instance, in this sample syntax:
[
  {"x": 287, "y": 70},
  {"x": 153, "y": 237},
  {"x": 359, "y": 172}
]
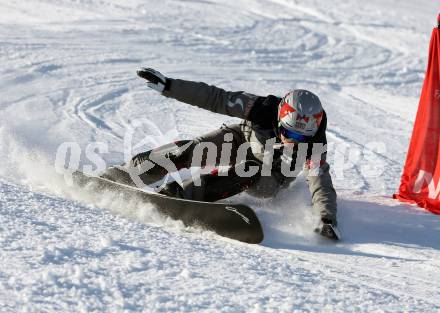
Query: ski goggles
[{"x": 292, "y": 135}]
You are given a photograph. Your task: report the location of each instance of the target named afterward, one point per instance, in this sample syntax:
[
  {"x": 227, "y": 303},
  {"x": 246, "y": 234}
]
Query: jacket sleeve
[
  {"x": 236, "y": 104},
  {"x": 322, "y": 191}
]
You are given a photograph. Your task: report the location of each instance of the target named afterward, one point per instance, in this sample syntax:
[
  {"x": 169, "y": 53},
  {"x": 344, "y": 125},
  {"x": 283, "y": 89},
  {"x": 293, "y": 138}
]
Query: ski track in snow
[{"x": 68, "y": 75}]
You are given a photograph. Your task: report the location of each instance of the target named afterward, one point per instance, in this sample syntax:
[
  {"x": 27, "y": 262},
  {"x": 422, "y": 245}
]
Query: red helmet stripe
[
  {"x": 302, "y": 117},
  {"x": 285, "y": 110},
  {"x": 318, "y": 118}
]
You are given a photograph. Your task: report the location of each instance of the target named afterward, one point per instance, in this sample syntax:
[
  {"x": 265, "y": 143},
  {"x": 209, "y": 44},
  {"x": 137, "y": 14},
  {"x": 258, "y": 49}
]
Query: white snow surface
[{"x": 68, "y": 75}]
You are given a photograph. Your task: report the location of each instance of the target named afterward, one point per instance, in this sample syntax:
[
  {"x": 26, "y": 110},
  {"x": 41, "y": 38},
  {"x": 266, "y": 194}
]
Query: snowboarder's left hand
[{"x": 155, "y": 79}]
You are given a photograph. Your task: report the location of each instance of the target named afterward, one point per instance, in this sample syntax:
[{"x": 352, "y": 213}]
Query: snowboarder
[{"x": 294, "y": 120}]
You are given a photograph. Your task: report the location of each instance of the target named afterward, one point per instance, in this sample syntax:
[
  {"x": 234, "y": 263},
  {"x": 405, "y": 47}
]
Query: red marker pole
[{"x": 420, "y": 181}]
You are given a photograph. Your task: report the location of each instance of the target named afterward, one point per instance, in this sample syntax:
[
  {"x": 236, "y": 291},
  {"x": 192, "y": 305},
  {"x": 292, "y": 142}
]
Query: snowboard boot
[
  {"x": 173, "y": 190},
  {"x": 327, "y": 228},
  {"x": 115, "y": 174}
]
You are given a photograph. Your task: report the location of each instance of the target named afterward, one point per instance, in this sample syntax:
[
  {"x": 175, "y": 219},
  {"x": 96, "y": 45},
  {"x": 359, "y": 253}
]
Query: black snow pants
[{"x": 224, "y": 180}]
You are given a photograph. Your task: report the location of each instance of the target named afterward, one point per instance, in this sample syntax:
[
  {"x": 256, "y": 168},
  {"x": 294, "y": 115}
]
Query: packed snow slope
[{"x": 68, "y": 80}]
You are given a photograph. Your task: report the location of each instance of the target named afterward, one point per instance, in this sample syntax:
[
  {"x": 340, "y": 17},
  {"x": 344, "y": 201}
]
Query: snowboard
[{"x": 235, "y": 221}]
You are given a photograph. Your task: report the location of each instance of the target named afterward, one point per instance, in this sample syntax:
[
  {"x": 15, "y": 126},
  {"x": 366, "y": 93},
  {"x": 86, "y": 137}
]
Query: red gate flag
[{"x": 420, "y": 181}]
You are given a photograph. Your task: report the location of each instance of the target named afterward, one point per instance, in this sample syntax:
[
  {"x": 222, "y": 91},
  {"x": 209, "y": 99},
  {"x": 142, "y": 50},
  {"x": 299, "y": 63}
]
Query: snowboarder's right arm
[{"x": 236, "y": 104}]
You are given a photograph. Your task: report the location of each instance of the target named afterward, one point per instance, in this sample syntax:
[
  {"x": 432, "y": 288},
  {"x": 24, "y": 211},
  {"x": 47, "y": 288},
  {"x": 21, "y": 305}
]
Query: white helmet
[{"x": 299, "y": 115}]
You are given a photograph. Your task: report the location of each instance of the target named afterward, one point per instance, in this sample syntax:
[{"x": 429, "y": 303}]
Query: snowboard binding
[{"x": 328, "y": 229}]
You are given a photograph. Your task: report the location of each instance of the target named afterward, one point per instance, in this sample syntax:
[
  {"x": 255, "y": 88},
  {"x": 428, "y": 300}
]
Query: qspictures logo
[{"x": 153, "y": 156}]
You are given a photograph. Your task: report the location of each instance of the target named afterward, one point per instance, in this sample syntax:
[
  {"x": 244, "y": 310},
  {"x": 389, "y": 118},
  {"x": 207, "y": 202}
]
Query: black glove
[{"x": 155, "y": 79}]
